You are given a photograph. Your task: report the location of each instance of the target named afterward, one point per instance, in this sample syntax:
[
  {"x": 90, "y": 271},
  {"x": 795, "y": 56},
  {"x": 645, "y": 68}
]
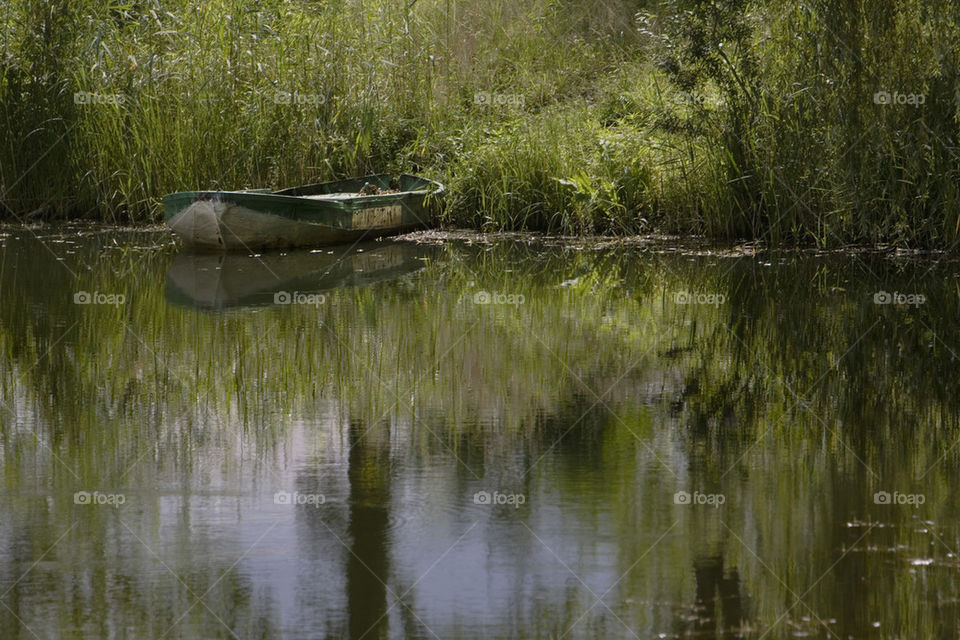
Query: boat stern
[{"x": 196, "y": 221}]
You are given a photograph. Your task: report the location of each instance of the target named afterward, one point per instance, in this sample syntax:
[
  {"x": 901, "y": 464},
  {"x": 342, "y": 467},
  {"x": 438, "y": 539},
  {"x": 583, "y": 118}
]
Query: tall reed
[{"x": 824, "y": 122}]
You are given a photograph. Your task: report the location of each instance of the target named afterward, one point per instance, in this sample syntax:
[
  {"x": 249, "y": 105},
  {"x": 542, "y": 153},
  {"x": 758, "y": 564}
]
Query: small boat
[{"x": 305, "y": 216}]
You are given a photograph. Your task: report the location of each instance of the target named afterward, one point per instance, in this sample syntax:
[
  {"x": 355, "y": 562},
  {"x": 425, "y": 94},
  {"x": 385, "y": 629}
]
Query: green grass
[{"x": 726, "y": 118}]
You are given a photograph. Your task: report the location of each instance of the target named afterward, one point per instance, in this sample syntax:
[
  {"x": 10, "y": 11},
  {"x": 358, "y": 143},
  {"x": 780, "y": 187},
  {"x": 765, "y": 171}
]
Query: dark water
[{"x": 464, "y": 440}]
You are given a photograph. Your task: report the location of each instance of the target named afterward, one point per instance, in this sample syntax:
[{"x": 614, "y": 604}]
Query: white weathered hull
[{"x": 217, "y": 224}]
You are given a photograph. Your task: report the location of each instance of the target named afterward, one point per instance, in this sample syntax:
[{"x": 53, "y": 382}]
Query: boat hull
[{"x": 313, "y": 215}]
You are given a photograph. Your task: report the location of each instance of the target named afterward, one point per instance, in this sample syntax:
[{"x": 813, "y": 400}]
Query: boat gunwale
[{"x": 437, "y": 190}]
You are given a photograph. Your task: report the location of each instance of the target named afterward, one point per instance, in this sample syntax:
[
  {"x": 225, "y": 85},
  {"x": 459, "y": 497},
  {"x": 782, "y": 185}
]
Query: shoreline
[{"x": 662, "y": 243}]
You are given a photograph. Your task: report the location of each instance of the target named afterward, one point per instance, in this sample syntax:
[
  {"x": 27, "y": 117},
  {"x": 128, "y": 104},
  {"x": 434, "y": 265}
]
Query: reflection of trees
[
  {"x": 718, "y": 598},
  {"x": 368, "y": 565},
  {"x": 714, "y": 439},
  {"x": 97, "y": 580},
  {"x": 728, "y": 372},
  {"x": 870, "y": 387},
  {"x": 17, "y": 554},
  {"x": 720, "y": 607},
  {"x": 576, "y": 432}
]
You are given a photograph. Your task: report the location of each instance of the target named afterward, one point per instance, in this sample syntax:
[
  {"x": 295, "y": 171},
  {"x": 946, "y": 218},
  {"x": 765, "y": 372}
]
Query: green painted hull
[{"x": 311, "y": 215}]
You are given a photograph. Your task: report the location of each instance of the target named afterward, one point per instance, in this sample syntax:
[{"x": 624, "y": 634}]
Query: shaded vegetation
[{"x": 817, "y": 122}]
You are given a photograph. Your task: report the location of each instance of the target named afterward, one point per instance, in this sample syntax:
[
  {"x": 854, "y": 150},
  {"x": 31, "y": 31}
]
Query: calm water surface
[{"x": 467, "y": 440}]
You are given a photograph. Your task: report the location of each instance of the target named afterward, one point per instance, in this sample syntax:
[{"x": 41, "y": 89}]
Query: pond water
[{"x": 505, "y": 439}]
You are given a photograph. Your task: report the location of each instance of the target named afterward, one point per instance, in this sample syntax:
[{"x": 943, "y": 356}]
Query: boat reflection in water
[{"x": 217, "y": 282}]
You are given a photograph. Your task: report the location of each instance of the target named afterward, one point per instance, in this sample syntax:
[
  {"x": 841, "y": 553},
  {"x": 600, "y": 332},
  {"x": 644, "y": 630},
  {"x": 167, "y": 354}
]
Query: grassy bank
[{"x": 823, "y": 122}]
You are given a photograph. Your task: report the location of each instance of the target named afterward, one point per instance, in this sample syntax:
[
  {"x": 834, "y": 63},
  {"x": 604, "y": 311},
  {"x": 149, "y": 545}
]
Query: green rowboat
[{"x": 310, "y": 215}]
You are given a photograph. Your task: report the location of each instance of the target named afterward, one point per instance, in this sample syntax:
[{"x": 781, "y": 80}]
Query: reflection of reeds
[
  {"x": 174, "y": 394},
  {"x": 557, "y": 326}
]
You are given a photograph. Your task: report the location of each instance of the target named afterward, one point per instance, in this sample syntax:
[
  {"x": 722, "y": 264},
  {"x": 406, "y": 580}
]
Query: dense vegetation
[{"x": 826, "y": 121}]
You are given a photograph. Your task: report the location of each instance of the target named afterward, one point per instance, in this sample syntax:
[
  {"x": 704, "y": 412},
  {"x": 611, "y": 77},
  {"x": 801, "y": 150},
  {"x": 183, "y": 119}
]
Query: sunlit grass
[{"x": 753, "y": 120}]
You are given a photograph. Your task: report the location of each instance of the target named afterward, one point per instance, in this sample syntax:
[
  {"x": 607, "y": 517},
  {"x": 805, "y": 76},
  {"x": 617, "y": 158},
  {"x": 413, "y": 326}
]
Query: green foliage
[
  {"x": 558, "y": 171},
  {"x": 837, "y": 120},
  {"x": 731, "y": 118}
]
